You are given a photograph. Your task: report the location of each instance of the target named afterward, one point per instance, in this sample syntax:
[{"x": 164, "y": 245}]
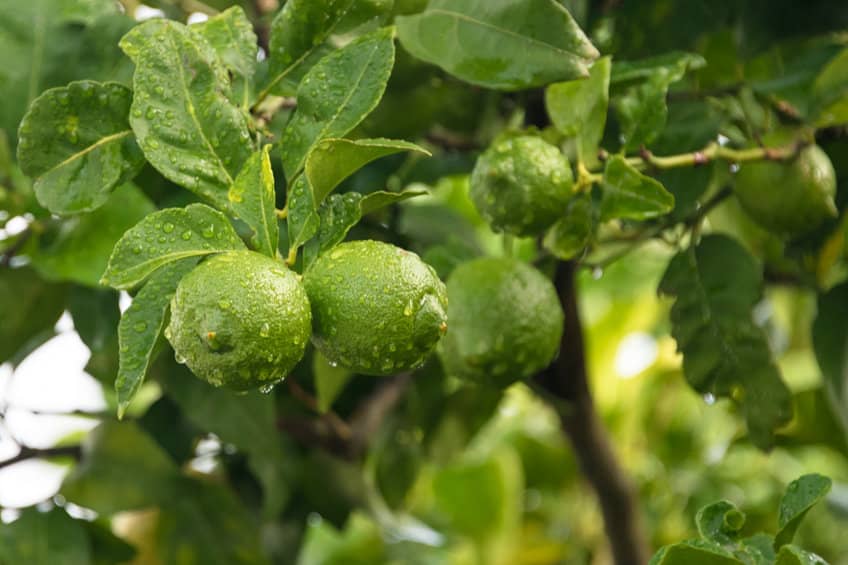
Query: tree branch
[
  {"x": 566, "y": 383},
  {"x": 31, "y": 453}
]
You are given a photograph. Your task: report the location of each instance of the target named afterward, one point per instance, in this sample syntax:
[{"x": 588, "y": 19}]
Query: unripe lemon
[
  {"x": 521, "y": 185},
  {"x": 506, "y": 322},
  {"x": 377, "y": 309},
  {"x": 789, "y": 198},
  {"x": 240, "y": 319}
]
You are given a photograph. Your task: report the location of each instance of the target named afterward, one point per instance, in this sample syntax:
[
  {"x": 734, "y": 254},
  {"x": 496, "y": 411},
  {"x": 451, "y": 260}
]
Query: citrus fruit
[
  {"x": 240, "y": 319},
  {"x": 789, "y": 198},
  {"x": 506, "y": 322},
  {"x": 377, "y": 309},
  {"x": 521, "y": 185}
]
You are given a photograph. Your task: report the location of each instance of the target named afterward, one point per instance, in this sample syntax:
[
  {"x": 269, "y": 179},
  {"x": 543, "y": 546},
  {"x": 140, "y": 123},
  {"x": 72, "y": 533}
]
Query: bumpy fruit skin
[
  {"x": 240, "y": 320},
  {"x": 789, "y": 198},
  {"x": 521, "y": 185},
  {"x": 506, "y": 322},
  {"x": 377, "y": 309}
]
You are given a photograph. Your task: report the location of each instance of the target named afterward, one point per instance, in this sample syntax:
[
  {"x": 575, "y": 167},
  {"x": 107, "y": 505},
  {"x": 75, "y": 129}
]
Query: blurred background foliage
[{"x": 451, "y": 474}]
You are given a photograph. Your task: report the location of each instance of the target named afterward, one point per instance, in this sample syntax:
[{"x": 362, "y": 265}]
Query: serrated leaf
[
  {"x": 76, "y": 142},
  {"x": 694, "y": 552},
  {"x": 42, "y": 538},
  {"x": 140, "y": 327},
  {"x": 720, "y": 522},
  {"x": 337, "y": 215},
  {"x": 724, "y": 352},
  {"x": 122, "y": 468},
  {"x": 333, "y": 160},
  {"x": 579, "y": 109},
  {"x": 801, "y": 495},
  {"x": 167, "y": 236},
  {"x": 231, "y": 35},
  {"x": 627, "y": 193},
  {"x": 79, "y": 250},
  {"x": 572, "y": 233},
  {"x": 253, "y": 199},
  {"x": 337, "y": 94},
  {"x": 793, "y": 555},
  {"x": 184, "y": 122},
  {"x": 303, "y": 220},
  {"x": 830, "y": 343},
  {"x": 499, "y": 44},
  {"x": 298, "y": 35}
]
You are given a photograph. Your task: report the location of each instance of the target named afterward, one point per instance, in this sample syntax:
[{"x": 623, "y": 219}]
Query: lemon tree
[{"x": 595, "y": 253}]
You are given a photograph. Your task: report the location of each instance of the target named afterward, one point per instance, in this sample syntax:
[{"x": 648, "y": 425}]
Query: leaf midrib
[
  {"x": 78, "y": 155},
  {"x": 128, "y": 281}
]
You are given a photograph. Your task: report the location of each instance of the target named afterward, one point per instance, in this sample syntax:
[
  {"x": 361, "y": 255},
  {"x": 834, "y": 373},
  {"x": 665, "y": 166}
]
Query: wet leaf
[{"x": 253, "y": 199}]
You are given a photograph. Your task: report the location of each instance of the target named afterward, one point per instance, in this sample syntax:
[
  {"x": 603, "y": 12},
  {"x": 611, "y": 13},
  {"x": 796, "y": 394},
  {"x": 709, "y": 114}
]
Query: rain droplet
[
  {"x": 267, "y": 389},
  {"x": 186, "y": 235},
  {"x": 265, "y": 330},
  {"x": 168, "y": 227},
  {"x": 140, "y": 326},
  {"x": 209, "y": 232}
]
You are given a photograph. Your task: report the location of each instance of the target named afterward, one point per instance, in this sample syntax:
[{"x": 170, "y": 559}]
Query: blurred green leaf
[
  {"x": 627, "y": 193},
  {"x": 253, "y": 199},
  {"x": 77, "y": 144},
  {"x": 358, "y": 544},
  {"x": 499, "y": 44},
  {"x": 830, "y": 343},
  {"x": 28, "y": 306},
  {"x": 724, "y": 352},
  {"x": 298, "y": 35},
  {"x": 570, "y": 235},
  {"x": 802, "y": 494},
  {"x": 80, "y": 249},
  {"x": 579, "y": 109},
  {"x": 167, "y": 236},
  {"x": 122, "y": 468},
  {"x": 830, "y": 92},
  {"x": 140, "y": 327},
  {"x": 188, "y": 129},
  {"x": 337, "y": 94},
  {"x": 44, "y": 538},
  {"x": 330, "y": 380},
  {"x": 106, "y": 548}
]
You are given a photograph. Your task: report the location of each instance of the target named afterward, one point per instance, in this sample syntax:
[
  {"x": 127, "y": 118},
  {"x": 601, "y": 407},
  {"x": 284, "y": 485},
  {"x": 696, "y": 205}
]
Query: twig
[
  {"x": 10, "y": 252},
  {"x": 339, "y": 426},
  {"x": 371, "y": 413},
  {"x": 26, "y": 453},
  {"x": 566, "y": 386}
]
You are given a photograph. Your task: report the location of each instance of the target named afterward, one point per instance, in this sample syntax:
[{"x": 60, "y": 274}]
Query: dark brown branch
[
  {"x": 27, "y": 453},
  {"x": 566, "y": 382},
  {"x": 371, "y": 413}
]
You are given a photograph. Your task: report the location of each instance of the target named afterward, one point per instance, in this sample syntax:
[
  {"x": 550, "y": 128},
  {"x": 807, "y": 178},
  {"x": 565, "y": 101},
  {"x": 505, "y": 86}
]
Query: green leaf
[
  {"x": 231, "y": 35},
  {"x": 333, "y": 160},
  {"x": 330, "y": 380},
  {"x": 830, "y": 343},
  {"x": 253, "y": 199},
  {"x": 298, "y": 35},
  {"x": 360, "y": 543},
  {"x": 373, "y": 201},
  {"x": 122, "y": 468},
  {"x": 76, "y": 142},
  {"x": 672, "y": 65},
  {"x": 793, "y": 555},
  {"x": 499, "y": 44},
  {"x": 579, "y": 109},
  {"x": 801, "y": 495},
  {"x": 106, "y": 547},
  {"x": 29, "y": 306},
  {"x": 337, "y": 215},
  {"x": 44, "y": 538},
  {"x": 337, "y": 94},
  {"x": 302, "y": 220},
  {"x": 694, "y": 552},
  {"x": 570, "y": 235},
  {"x": 830, "y": 92},
  {"x": 184, "y": 122},
  {"x": 80, "y": 250},
  {"x": 627, "y": 193},
  {"x": 167, "y": 236},
  {"x": 724, "y": 352},
  {"x": 247, "y": 421},
  {"x": 720, "y": 522},
  {"x": 140, "y": 327}
]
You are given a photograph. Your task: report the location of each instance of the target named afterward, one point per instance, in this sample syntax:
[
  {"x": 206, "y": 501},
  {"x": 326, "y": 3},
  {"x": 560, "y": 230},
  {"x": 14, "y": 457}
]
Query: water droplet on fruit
[
  {"x": 168, "y": 227},
  {"x": 265, "y": 330},
  {"x": 179, "y": 358},
  {"x": 267, "y": 389}
]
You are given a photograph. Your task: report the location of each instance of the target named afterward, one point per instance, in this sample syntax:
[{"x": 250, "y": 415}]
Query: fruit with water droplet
[
  {"x": 233, "y": 313},
  {"x": 346, "y": 329},
  {"x": 521, "y": 185},
  {"x": 506, "y": 322}
]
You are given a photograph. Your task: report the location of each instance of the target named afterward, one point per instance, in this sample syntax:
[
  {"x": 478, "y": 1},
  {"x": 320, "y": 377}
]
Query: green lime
[
  {"x": 240, "y": 319},
  {"x": 377, "y": 309},
  {"x": 506, "y": 322},
  {"x": 521, "y": 185},
  {"x": 789, "y": 198}
]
